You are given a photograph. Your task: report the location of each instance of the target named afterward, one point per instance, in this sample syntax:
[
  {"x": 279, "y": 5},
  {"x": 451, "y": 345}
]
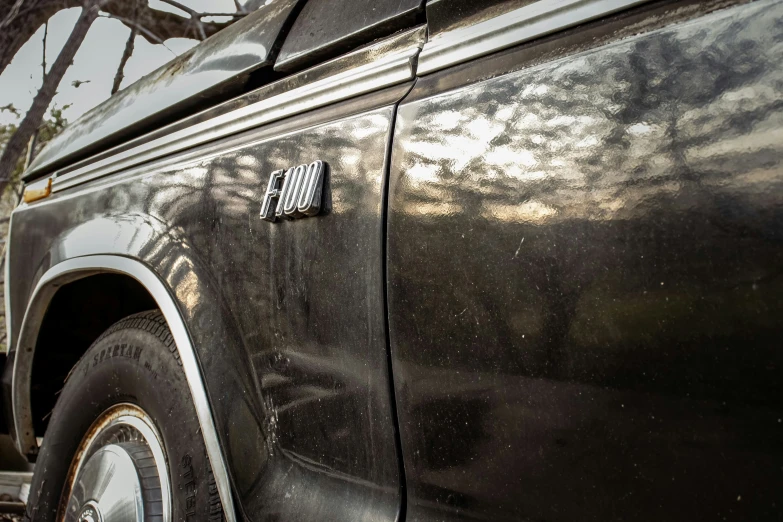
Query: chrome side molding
[
  {"x": 512, "y": 28},
  {"x": 80, "y": 267},
  {"x": 382, "y": 64}
]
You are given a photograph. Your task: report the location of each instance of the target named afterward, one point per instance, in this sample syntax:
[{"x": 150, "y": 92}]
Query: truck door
[{"x": 584, "y": 252}]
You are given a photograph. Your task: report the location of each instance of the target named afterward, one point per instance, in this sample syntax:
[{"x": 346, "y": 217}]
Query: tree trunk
[{"x": 32, "y": 120}]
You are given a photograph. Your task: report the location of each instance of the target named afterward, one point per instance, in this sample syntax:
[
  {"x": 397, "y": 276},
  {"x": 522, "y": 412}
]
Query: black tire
[{"x": 135, "y": 361}]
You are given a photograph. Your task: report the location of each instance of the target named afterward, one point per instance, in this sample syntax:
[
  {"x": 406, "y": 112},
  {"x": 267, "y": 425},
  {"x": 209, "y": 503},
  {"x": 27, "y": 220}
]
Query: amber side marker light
[{"x": 34, "y": 194}]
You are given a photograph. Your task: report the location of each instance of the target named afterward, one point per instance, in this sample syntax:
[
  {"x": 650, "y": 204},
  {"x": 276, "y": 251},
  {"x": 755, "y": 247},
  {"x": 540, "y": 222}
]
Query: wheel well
[{"x": 77, "y": 315}]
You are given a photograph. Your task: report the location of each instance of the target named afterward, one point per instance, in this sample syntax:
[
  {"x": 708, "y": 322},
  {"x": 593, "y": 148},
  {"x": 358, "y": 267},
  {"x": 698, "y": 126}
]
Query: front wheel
[{"x": 124, "y": 443}]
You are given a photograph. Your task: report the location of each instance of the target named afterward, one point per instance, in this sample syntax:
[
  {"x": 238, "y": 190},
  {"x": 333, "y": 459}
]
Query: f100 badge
[{"x": 299, "y": 195}]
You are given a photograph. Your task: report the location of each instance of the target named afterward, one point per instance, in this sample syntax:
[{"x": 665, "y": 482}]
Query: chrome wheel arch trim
[
  {"x": 7, "y": 288},
  {"x": 512, "y": 28},
  {"x": 78, "y": 268}
]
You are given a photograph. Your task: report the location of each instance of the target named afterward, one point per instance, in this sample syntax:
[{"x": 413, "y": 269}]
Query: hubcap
[{"x": 119, "y": 473}]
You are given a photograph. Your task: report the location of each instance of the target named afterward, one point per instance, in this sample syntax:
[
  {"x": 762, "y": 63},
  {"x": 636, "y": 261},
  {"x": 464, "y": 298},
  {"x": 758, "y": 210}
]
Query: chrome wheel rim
[{"x": 120, "y": 471}]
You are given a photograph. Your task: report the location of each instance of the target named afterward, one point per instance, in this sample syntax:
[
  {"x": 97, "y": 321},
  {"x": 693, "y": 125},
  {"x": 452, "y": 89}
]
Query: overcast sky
[{"x": 96, "y": 60}]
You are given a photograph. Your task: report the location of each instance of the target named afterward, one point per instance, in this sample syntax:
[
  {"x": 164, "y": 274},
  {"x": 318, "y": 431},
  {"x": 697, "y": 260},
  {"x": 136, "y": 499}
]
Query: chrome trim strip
[
  {"x": 77, "y": 268},
  {"x": 379, "y": 70},
  {"x": 7, "y": 285},
  {"x": 523, "y": 24}
]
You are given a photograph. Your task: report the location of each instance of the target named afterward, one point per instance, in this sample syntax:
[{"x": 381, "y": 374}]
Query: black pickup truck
[{"x": 439, "y": 260}]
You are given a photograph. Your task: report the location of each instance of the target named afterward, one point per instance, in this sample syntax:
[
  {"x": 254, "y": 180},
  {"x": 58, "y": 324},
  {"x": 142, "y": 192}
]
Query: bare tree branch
[
  {"x": 163, "y": 24},
  {"x": 180, "y": 6},
  {"x": 194, "y": 17},
  {"x": 34, "y": 138},
  {"x": 12, "y": 13},
  {"x": 196, "y": 14},
  {"x": 239, "y": 7},
  {"x": 149, "y": 35},
  {"x": 43, "y": 54},
  {"x": 126, "y": 54}
]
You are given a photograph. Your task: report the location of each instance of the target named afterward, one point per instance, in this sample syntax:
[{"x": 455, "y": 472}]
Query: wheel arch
[
  {"x": 78, "y": 313},
  {"x": 142, "y": 279}
]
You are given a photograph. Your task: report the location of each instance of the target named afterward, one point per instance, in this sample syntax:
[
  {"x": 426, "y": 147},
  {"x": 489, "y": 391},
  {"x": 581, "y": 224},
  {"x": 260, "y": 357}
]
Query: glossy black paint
[
  {"x": 583, "y": 286},
  {"x": 287, "y": 318},
  {"x": 584, "y": 281},
  {"x": 327, "y": 28}
]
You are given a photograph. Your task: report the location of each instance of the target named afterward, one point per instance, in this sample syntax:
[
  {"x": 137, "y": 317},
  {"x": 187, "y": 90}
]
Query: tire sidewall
[{"x": 134, "y": 362}]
